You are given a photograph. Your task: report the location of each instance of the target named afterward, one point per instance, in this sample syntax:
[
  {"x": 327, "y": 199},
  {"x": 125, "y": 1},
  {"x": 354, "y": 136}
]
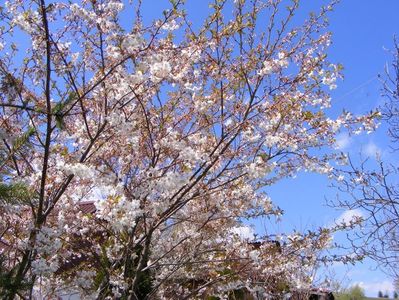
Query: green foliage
[
  {"x": 238, "y": 295},
  {"x": 18, "y": 144},
  {"x": 145, "y": 284},
  {"x": 15, "y": 193},
  {"x": 23, "y": 139},
  {"x": 11, "y": 282},
  {"x": 59, "y": 110},
  {"x": 353, "y": 293},
  {"x": 7, "y": 284},
  {"x": 145, "y": 278}
]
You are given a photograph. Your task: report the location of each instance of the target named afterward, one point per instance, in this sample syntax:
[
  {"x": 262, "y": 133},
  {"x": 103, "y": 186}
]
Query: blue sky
[{"x": 362, "y": 30}]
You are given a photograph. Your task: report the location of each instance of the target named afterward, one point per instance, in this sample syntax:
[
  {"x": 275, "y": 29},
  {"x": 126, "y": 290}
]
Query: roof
[{"x": 87, "y": 207}]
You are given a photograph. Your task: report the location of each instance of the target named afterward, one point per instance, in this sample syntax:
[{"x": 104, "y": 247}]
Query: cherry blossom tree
[{"x": 173, "y": 133}]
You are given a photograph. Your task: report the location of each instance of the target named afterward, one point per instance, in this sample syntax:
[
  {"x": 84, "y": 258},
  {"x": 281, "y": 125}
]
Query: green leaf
[
  {"x": 15, "y": 193},
  {"x": 23, "y": 139},
  {"x": 59, "y": 122},
  {"x": 59, "y": 107}
]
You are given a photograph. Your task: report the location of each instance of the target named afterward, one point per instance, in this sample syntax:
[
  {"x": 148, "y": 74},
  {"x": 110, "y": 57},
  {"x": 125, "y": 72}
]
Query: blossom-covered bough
[{"x": 174, "y": 133}]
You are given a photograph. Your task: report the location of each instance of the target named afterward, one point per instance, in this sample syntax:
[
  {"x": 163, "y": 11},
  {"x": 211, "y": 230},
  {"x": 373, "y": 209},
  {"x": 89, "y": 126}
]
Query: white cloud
[
  {"x": 244, "y": 232},
  {"x": 343, "y": 141},
  {"x": 371, "y": 289},
  {"x": 349, "y": 215},
  {"x": 371, "y": 150}
]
